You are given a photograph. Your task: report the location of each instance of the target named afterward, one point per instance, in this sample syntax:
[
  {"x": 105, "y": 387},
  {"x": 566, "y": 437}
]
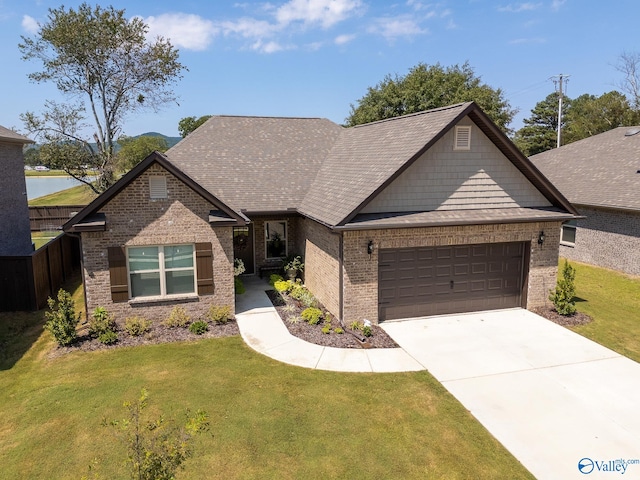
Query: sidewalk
[{"x": 263, "y": 330}]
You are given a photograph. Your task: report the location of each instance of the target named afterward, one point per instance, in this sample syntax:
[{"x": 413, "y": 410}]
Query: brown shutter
[
  {"x": 118, "y": 274},
  {"x": 204, "y": 268}
]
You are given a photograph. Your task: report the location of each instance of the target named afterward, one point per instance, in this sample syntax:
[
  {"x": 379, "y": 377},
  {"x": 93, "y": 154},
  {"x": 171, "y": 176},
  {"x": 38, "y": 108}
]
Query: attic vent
[
  {"x": 463, "y": 137},
  {"x": 157, "y": 187},
  {"x": 632, "y": 131}
]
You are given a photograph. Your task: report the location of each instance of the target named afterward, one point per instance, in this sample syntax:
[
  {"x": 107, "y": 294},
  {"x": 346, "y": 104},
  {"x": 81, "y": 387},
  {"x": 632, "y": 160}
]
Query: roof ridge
[
  {"x": 415, "y": 114},
  {"x": 270, "y": 117}
]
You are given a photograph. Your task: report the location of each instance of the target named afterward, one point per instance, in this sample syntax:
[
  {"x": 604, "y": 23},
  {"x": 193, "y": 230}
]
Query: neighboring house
[
  {"x": 15, "y": 231},
  {"x": 600, "y": 175},
  {"x": 424, "y": 214}
]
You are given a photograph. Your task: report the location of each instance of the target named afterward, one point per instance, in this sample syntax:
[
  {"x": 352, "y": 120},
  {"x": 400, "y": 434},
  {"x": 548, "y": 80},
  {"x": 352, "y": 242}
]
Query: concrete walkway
[{"x": 263, "y": 330}]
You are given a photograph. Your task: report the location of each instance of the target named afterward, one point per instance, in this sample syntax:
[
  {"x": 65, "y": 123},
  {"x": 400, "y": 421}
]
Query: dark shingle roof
[
  {"x": 256, "y": 164},
  {"x": 597, "y": 171},
  {"x": 10, "y": 136},
  {"x": 367, "y": 157}
]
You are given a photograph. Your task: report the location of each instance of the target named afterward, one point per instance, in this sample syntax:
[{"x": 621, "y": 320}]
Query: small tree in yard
[
  {"x": 62, "y": 319},
  {"x": 156, "y": 449},
  {"x": 565, "y": 291}
]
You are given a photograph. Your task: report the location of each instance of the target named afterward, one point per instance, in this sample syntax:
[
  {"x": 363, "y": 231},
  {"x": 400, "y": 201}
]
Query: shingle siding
[
  {"x": 15, "y": 236},
  {"x": 607, "y": 238},
  {"x": 361, "y": 269},
  {"x": 134, "y": 219},
  {"x": 448, "y": 179}
]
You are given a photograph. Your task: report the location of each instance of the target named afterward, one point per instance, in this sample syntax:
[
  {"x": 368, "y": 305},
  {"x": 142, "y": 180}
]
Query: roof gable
[
  {"x": 9, "y": 136},
  {"x": 601, "y": 170},
  {"x": 89, "y": 213}
]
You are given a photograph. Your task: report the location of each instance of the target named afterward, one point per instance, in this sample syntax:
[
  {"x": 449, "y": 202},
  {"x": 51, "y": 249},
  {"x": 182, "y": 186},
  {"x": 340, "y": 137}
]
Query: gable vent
[
  {"x": 462, "y": 137},
  {"x": 157, "y": 187}
]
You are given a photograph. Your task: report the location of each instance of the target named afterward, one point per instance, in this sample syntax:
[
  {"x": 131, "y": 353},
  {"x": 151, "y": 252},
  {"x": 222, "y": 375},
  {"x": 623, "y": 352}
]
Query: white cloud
[
  {"x": 394, "y": 27},
  {"x": 29, "y": 24},
  {"x": 324, "y": 12},
  {"x": 519, "y": 7},
  {"x": 268, "y": 47},
  {"x": 556, "y": 4},
  {"x": 249, "y": 28},
  {"x": 187, "y": 31},
  {"x": 343, "y": 39}
]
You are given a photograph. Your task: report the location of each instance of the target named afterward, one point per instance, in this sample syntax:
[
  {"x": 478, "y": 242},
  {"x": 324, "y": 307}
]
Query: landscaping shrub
[
  {"x": 312, "y": 315},
  {"x": 273, "y": 278},
  {"x": 219, "y": 313},
  {"x": 199, "y": 327},
  {"x": 108, "y": 337},
  {"x": 238, "y": 286},
  {"x": 178, "y": 318},
  {"x": 282, "y": 285},
  {"x": 307, "y": 299},
  {"x": 238, "y": 267},
  {"x": 338, "y": 330},
  {"x": 356, "y": 326},
  {"x": 565, "y": 291},
  {"x": 367, "y": 330},
  {"x": 326, "y": 329},
  {"x": 136, "y": 326},
  {"x": 101, "y": 322},
  {"x": 62, "y": 319}
]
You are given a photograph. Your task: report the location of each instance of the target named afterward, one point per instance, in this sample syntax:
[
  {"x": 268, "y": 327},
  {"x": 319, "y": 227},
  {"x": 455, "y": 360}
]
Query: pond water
[{"x": 39, "y": 186}]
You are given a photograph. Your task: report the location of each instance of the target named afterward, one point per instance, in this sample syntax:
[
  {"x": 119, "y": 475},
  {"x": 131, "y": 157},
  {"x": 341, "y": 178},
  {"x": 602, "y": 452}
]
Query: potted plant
[{"x": 293, "y": 267}]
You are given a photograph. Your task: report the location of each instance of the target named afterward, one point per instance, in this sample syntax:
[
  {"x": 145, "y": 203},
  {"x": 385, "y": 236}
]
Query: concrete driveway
[{"x": 563, "y": 405}]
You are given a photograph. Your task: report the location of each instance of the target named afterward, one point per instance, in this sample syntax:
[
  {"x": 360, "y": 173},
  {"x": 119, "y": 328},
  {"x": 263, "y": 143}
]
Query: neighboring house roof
[
  {"x": 89, "y": 218},
  {"x": 602, "y": 170},
  {"x": 257, "y": 164},
  {"x": 10, "y": 136}
]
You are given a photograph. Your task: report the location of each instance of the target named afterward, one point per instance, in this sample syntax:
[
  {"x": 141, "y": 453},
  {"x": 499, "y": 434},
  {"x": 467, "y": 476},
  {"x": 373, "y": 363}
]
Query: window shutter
[
  {"x": 204, "y": 268},
  {"x": 118, "y": 274}
]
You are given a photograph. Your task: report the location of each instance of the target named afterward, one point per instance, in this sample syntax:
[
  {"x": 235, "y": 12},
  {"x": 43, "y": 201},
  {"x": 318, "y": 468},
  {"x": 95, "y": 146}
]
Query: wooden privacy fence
[
  {"x": 51, "y": 218},
  {"x": 27, "y": 281}
]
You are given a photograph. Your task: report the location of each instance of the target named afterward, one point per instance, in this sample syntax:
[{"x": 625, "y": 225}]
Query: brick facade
[
  {"x": 133, "y": 219},
  {"x": 361, "y": 270},
  {"x": 14, "y": 210},
  {"x": 607, "y": 238}
]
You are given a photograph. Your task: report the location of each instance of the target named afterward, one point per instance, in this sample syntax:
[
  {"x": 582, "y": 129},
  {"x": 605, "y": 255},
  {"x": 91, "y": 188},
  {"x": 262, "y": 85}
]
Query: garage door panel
[{"x": 438, "y": 280}]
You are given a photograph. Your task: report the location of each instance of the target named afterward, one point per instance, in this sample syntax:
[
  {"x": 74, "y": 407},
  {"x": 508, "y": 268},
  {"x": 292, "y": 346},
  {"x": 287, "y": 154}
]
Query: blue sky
[{"x": 314, "y": 58}]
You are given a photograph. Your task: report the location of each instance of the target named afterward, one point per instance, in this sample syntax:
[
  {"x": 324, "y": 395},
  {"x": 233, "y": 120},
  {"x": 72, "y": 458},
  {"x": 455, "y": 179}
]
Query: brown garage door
[{"x": 416, "y": 282}]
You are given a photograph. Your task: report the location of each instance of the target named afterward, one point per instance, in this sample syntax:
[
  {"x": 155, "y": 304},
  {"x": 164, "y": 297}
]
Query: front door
[{"x": 243, "y": 246}]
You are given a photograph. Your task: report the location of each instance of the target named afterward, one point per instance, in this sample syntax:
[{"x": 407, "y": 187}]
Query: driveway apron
[{"x": 565, "y": 406}]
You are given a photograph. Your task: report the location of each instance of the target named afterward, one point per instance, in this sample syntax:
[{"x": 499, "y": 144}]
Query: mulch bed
[
  {"x": 550, "y": 313},
  {"x": 158, "y": 333},
  {"x": 314, "y": 334}
]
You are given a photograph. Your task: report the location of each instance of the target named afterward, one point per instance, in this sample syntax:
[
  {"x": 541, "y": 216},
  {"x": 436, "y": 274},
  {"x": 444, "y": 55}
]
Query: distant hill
[{"x": 171, "y": 141}]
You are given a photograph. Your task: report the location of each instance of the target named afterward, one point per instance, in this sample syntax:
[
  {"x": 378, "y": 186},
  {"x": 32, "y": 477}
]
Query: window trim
[
  {"x": 570, "y": 225},
  {"x": 285, "y": 239},
  {"x": 162, "y": 270}
]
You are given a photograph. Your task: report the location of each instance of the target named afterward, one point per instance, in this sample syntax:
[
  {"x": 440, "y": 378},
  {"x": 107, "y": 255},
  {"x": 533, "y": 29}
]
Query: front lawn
[
  {"x": 613, "y": 301},
  {"x": 269, "y": 420}
]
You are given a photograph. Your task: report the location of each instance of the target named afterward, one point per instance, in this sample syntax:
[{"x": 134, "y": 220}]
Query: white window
[
  {"x": 275, "y": 236},
  {"x": 157, "y": 187},
  {"x": 568, "y": 234},
  {"x": 161, "y": 271},
  {"x": 462, "y": 139}
]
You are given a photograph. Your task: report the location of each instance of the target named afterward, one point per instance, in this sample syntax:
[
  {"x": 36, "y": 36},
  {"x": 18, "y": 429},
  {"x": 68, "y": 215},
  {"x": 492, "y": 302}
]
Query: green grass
[
  {"x": 41, "y": 238},
  {"x": 269, "y": 420},
  {"x": 45, "y": 173},
  {"x": 613, "y": 301},
  {"x": 78, "y": 195}
]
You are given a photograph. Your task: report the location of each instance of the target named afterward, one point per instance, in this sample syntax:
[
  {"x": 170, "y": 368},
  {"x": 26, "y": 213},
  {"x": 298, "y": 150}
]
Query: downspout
[
  {"x": 341, "y": 276},
  {"x": 84, "y": 284}
]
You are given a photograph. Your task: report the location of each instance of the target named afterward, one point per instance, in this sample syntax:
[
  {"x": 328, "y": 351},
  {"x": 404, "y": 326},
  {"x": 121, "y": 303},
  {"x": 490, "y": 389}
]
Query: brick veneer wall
[
  {"x": 361, "y": 270},
  {"x": 322, "y": 265},
  {"x": 260, "y": 245},
  {"x": 607, "y": 238},
  {"x": 134, "y": 219},
  {"x": 15, "y": 231}
]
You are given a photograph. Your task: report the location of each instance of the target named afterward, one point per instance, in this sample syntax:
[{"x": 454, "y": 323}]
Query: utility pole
[{"x": 560, "y": 78}]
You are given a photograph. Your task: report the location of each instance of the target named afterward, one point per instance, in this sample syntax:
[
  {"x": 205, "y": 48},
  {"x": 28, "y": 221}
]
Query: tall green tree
[
  {"x": 189, "y": 124},
  {"x": 539, "y": 133},
  {"x": 102, "y": 62},
  {"x": 430, "y": 86},
  {"x": 135, "y": 149},
  {"x": 590, "y": 115}
]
